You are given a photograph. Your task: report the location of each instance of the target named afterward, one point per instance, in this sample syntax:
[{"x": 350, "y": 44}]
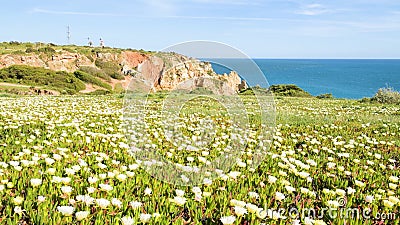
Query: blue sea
[{"x": 344, "y": 78}]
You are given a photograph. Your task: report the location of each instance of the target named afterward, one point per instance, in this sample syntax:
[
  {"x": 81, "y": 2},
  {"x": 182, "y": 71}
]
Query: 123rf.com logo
[{"x": 336, "y": 210}]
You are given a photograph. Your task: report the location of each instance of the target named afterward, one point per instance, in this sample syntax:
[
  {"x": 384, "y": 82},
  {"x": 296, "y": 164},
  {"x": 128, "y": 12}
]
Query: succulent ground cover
[{"x": 68, "y": 160}]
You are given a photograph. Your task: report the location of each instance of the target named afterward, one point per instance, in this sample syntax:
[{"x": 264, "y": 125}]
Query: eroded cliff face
[
  {"x": 11, "y": 59},
  {"x": 163, "y": 71},
  {"x": 70, "y": 62},
  {"x": 174, "y": 71}
]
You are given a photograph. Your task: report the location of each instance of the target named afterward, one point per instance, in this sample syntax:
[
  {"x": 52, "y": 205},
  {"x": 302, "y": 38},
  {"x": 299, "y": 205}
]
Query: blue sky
[{"x": 262, "y": 29}]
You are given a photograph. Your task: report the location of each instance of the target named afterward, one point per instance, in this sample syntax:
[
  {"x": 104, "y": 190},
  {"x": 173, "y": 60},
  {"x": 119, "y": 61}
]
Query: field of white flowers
[{"x": 66, "y": 160}]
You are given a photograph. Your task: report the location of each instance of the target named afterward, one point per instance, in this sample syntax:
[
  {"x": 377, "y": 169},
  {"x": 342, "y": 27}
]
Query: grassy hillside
[
  {"x": 88, "y": 78},
  {"x": 68, "y": 83},
  {"x": 36, "y": 76}
]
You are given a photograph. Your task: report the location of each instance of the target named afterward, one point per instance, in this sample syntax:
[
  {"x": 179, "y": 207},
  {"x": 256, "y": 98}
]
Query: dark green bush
[
  {"x": 288, "y": 90},
  {"x": 325, "y": 96},
  {"x": 91, "y": 79},
  {"x": 14, "y": 43},
  {"x": 259, "y": 90},
  {"x": 365, "y": 100},
  {"x": 30, "y": 49},
  {"x": 99, "y": 92},
  {"x": 117, "y": 76},
  {"x": 47, "y": 50},
  {"x": 37, "y": 76}
]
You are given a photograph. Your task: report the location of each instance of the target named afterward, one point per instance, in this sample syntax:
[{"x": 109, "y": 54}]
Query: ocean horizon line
[{"x": 277, "y": 58}]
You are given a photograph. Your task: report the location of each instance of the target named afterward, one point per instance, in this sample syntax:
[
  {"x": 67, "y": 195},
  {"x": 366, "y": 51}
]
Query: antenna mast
[{"x": 68, "y": 34}]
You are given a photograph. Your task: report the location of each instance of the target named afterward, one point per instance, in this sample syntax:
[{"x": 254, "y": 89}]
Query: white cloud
[
  {"x": 55, "y": 12},
  {"x": 161, "y": 7},
  {"x": 313, "y": 10},
  {"x": 227, "y": 2},
  {"x": 223, "y": 18}
]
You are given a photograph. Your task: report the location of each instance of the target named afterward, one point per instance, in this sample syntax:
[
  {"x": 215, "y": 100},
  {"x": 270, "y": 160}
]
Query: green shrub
[
  {"x": 47, "y": 50},
  {"x": 37, "y": 76},
  {"x": 90, "y": 57},
  {"x": 365, "y": 100},
  {"x": 18, "y": 52},
  {"x": 99, "y": 92},
  {"x": 325, "y": 96},
  {"x": 68, "y": 50},
  {"x": 387, "y": 95},
  {"x": 117, "y": 76},
  {"x": 95, "y": 72},
  {"x": 288, "y": 90},
  {"x": 112, "y": 69},
  {"x": 259, "y": 90},
  {"x": 118, "y": 88},
  {"x": 91, "y": 79},
  {"x": 30, "y": 49},
  {"x": 14, "y": 43},
  {"x": 201, "y": 91}
]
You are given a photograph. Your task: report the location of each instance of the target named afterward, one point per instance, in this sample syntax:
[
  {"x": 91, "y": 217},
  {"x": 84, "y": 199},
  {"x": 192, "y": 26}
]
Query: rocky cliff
[
  {"x": 163, "y": 71},
  {"x": 169, "y": 71}
]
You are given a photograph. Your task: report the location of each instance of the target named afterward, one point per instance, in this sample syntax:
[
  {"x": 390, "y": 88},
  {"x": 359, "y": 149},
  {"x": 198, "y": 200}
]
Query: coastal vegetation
[
  {"x": 288, "y": 90},
  {"x": 27, "y": 47},
  {"x": 67, "y": 160},
  {"x": 387, "y": 95},
  {"x": 37, "y": 76}
]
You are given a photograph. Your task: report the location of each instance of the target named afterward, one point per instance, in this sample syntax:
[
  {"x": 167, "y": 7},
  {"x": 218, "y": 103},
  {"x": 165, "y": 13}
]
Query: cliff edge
[{"x": 116, "y": 67}]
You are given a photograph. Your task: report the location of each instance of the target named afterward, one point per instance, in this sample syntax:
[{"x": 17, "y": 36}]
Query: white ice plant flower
[
  {"x": 102, "y": 203},
  {"x": 18, "y": 210},
  {"x": 179, "y": 192},
  {"x": 41, "y": 199},
  {"x": 279, "y": 196},
  {"x": 179, "y": 200},
  {"x": 116, "y": 202},
  {"x": 106, "y": 187},
  {"x": 369, "y": 198},
  {"x": 18, "y": 200},
  {"x": 81, "y": 215},
  {"x": 66, "y": 189},
  {"x": 228, "y": 220},
  {"x": 135, "y": 204},
  {"x": 254, "y": 195},
  {"x": 66, "y": 210},
  {"x": 35, "y": 182},
  {"x": 127, "y": 220},
  {"x": 272, "y": 179},
  {"x": 147, "y": 191},
  {"x": 240, "y": 211},
  {"x": 145, "y": 218}
]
